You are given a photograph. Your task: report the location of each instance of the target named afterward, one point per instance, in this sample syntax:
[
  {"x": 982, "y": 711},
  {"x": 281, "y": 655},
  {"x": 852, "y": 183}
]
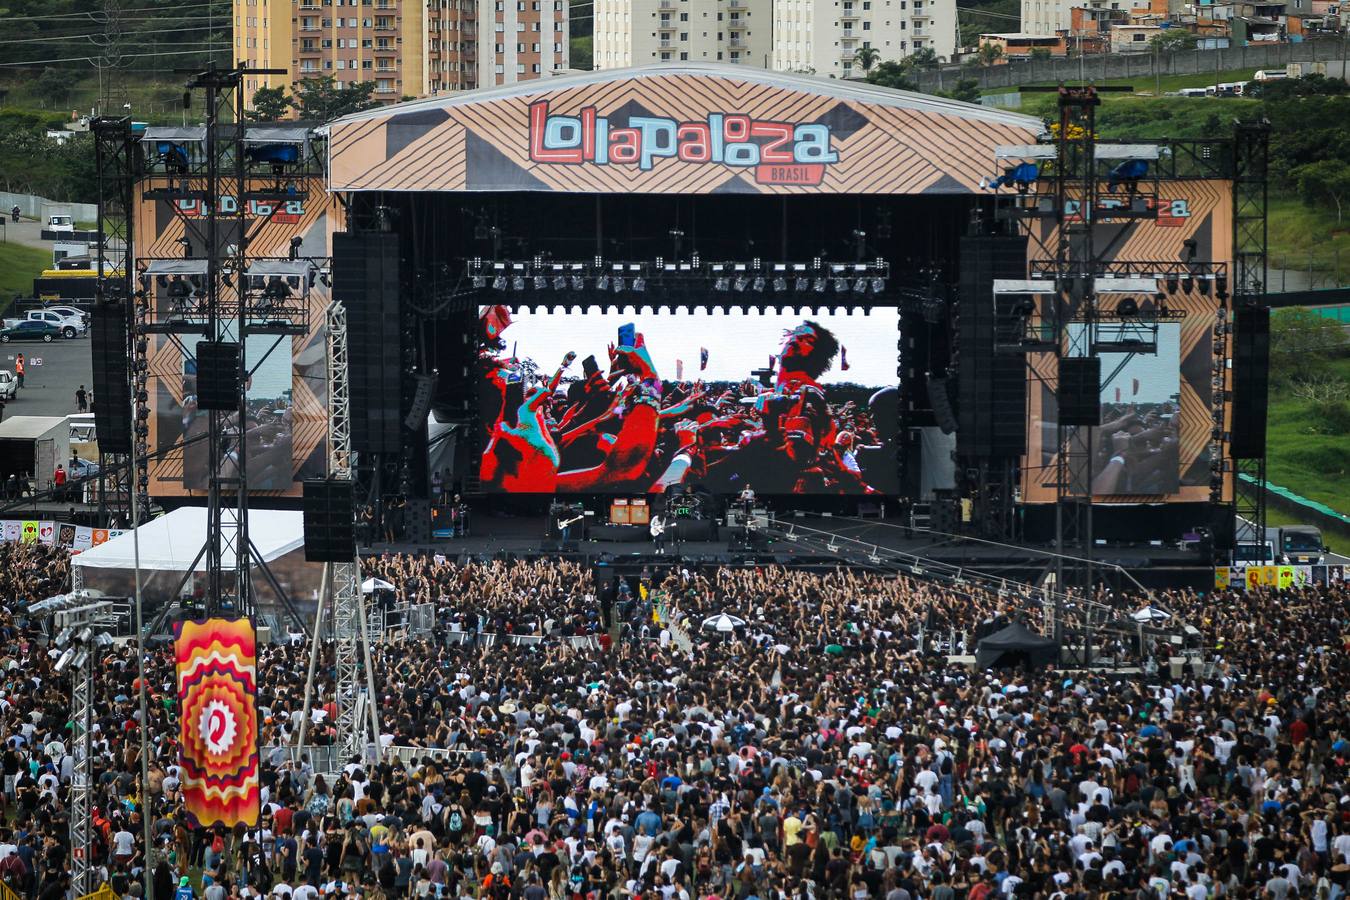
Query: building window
[{"x": 683, "y": 56}]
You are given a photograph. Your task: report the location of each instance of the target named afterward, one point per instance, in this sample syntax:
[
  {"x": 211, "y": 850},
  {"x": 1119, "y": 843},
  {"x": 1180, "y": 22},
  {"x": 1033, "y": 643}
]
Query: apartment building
[
  {"x": 816, "y": 36},
  {"x": 408, "y": 49}
]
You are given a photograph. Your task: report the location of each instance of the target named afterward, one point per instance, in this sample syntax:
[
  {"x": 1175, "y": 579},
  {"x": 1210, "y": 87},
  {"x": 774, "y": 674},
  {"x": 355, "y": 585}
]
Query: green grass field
[
  {"x": 1303, "y": 237},
  {"x": 1145, "y": 85},
  {"x": 18, "y": 267},
  {"x": 1297, "y": 457}
]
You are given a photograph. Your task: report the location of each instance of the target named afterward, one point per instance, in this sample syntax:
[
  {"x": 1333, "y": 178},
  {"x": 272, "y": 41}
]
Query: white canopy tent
[
  {"x": 371, "y": 585},
  {"x": 724, "y": 623},
  {"x": 173, "y": 541}
]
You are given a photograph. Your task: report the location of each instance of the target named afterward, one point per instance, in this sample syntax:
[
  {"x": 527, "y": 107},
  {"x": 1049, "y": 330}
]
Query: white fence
[{"x": 35, "y": 207}]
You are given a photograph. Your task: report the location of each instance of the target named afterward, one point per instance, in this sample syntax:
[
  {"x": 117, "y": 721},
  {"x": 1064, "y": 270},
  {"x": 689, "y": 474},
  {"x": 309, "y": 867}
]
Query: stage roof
[
  {"x": 173, "y": 541},
  {"x": 686, "y": 128}
]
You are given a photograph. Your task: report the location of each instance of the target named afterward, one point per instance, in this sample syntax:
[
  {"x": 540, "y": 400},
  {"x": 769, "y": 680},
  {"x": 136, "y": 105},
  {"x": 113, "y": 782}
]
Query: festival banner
[
  {"x": 98, "y": 536},
  {"x": 65, "y": 535},
  {"x": 30, "y": 532},
  {"x": 47, "y": 532},
  {"x": 11, "y": 530},
  {"x": 84, "y": 538},
  {"x": 1222, "y": 578},
  {"x": 218, "y": 720}
]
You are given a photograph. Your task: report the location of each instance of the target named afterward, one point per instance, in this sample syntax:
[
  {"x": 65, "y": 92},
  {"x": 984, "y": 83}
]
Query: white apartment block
[
  {"x": 634, "y": 32},
  {"x": 813, "y": 36},
  {"x": 1045, "y": 16}
]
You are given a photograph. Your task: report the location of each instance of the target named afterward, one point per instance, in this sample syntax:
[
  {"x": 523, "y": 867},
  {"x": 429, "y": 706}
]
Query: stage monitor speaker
[
  {"x": 991, "y": 386},
  {"x": 218, "y": 375},
  {"x": 1079, "y": 394},
  {"x": 329, "y": 521},
  {"x": 1251, "y": 375},
  {"x": 111, "y": 378},
  {"x": 366, "y": 281}
]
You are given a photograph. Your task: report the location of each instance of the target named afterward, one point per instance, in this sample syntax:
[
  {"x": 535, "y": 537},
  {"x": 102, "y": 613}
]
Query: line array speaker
[
  {"x": 991, "y": 392},
  {"x": 111, "y": 378},
  {"x": 1079, "y": 393},
  {"x": 218, "y": 375},
  {"x": 365, "y": 279},
  {"x": 1251, "y": 375},
  {"x": 329, "y": 513}
]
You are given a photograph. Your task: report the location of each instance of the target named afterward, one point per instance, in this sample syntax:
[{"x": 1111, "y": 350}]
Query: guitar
[
  {"x": 565, "y": 523},
  {"x": 658, "y": 528}
]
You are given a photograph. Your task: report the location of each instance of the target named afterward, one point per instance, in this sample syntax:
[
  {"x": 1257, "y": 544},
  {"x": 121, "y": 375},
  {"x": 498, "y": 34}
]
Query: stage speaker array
[
  {"x": 991, "y": 387},
  {"x": 329, "y": 517},
  {"x": 941, "y": 402},
  {"x": 218, "y": 375},
  {"x": 1251, "y": 375},
  {"x": 421, "y": 403},
  {"x": 1079, "y": 393},
  {"x": 365, "y": 279},
  {"x": 111, "y": 378}
]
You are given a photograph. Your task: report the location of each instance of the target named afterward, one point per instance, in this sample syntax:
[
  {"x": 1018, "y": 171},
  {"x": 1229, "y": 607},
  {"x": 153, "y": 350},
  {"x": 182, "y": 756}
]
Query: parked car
[
  {"x": 66, "y": 326},
  {"x": 70, "y": 312},
  {"x": 30, "y": 331},
  {"x": 9, "y": 385},
  {"x": 81, "y": 468}
]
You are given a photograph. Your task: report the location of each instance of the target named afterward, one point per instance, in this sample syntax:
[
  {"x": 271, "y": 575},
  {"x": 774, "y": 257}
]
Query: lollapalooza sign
[{"x": 776, "y": 152}]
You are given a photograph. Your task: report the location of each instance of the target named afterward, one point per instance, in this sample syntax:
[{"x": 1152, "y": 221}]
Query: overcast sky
[{"x": 737, "y": 341}]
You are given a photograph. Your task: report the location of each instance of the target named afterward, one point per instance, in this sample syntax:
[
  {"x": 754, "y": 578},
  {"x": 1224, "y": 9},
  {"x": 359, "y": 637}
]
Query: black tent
[{"x": 1015, "y": 645}]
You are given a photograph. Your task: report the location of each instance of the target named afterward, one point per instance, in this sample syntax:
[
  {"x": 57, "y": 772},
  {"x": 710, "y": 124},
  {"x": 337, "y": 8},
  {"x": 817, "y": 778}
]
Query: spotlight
[
  {"x": 860, "y": 286},
  {"x": 578, "y": 282},
  {"x": 540, "y": 282},
  {"x": 1173, "y": 284},
  {"x": 1192, "y": 247},
  {"x": 741, "y": 282},
  {"x": 1187, "y": 284},
  {"x": 1204, "y": 287},
  {"x": 801, "y": 283},
  {"x": 518, "y": 283},
  {"x": 780, "y": 283},
  {"x": 819, "y": 286},
  {"x": 878, "y": 285},
  {"x": 479, "y": 282},
  {"x": 295, "y": 246},
  {"x": 721, "y": 284},
  {"x": 841, "y": 285},
  {"x": 1221, "y": 287},
  {"x": 559, "y": 282},
  {"x": 1127, "y": 308},
  {"x": 499, "y": 283},
  {"x": 758, "y": 284},
  {"x": 640, "y": 284},
  {"x": 618, "y": 284},
  {"x": 602, "y": 283}
]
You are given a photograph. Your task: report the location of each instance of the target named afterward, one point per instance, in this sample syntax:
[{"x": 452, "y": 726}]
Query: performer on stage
[
  {"x": 747, "y": 500},
  {"x": 658, "y": 529}
]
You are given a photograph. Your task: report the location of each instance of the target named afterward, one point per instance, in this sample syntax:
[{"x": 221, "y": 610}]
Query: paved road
[
  {"x": 25, "y": 232},
  {"x": 49, "y": 389}
]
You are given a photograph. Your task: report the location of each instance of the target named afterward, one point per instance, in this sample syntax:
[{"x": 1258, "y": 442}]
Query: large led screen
[{"x": 597, "y": 401}]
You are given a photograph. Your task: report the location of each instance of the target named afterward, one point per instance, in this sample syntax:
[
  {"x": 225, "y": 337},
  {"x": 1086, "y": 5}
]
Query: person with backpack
[{"x": 497, "y": 884}]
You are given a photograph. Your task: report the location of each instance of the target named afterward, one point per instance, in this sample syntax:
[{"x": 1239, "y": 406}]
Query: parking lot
[{"x": 53, "y": 373}]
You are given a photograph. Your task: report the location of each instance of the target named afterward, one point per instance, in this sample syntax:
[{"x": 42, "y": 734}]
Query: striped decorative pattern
[{"x": 893, "y": 146}]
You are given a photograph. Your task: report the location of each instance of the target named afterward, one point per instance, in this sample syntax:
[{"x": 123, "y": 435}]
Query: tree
[
  {"x": 867, "y": 58},
  {"x": 1302, "y": 343},
  {"x": 1325, "y": 182},
  {"x": 990, "y": 53},
  {"x": 270, "y": 104},
  {"x": 1040, "y": 52},
  {"x": 923, "y": 58},
  {"x": 967, "y": 90},
  {"x": 1170, "y": 39},
  {"x": 321, "y": 100},
  {"x": 53, "y": 86},
  {"x": 892, "y": 74}
]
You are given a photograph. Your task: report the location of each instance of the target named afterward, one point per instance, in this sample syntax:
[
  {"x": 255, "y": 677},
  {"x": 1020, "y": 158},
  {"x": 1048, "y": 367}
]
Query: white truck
[
  {"x": 70, "y": 325},
  {"x": 62, "y": 224}
]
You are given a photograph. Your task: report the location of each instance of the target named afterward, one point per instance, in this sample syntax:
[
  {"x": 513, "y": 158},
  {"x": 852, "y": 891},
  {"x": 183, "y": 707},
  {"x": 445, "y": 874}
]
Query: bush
[{"x": 1329, "y": 417}]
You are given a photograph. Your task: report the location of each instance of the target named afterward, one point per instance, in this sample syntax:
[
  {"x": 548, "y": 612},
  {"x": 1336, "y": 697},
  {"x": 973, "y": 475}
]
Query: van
[
  {"x": 1194, "y": 92},
  {"x": 1270, "y": 74},
  {"x": 65, "y": 224}
]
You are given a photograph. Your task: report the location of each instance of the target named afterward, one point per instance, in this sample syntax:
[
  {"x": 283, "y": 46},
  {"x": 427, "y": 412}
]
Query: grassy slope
[
  {"x": 1300, "y": 234},
  {"x": 1145, "y": 84},
  {"x": 18, "y": 267},
  {"x": 1314, "y": 465}
]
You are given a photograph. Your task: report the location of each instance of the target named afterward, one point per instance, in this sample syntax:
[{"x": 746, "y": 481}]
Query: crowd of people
[{"x": 822, "y": 749}]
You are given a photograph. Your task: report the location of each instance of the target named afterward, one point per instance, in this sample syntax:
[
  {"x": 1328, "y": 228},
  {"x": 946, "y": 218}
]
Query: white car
[
  {"x": 9, "y": 385},
  {"x": 69, "y": 326},
  {"x": 70, "y": 312}
]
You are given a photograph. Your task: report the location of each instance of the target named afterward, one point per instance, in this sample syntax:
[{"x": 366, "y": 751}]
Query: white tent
[
  {"x": 1150, "y": 614},
  {"x": 724, "y": 623},
  {"x": 371, "y": 585},
  {"x": 173, "y": 541}
]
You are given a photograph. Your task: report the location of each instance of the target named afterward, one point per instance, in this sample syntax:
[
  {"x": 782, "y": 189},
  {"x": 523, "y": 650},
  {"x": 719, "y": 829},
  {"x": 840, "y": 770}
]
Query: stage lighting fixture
[
  {"x": 860, "y": 286},
  {"x": 1025, "y": 308},
  {"x": 758, "y": 283},
  {"x": 1221, "y": 287},
  {"x": 618, "y": 284},
  {"x": 1173, "y": 284},
  {"x": 640, "y": 284},
  {"x": 841, "y": 285},
  {"x": 602, "y": 283},
  {"x": 1204, "y": 287},
  {"x": 517, "y": 283},
  {"x": 819, "y": 286},
  {"x": 559, "y": 283},
  {"x": 801, "y": 283},
  {"x": 540, "y": 282},
  {"x": 1191, "y": 247},
  {"x": 721, "y": 284},
  {"x": 1187, "y": 284},
  {"x": 578, "y": 282},
  {"x": 780, "y": 283},
  {"x": 878, "y": 285},
  {"x": 479, "y": 282},
  {"x": 499, "y": 283},
  {"x": 1127, "y": 308},
  {"x": 295, "y": 246},
  {"x": 741, "y": 283}
]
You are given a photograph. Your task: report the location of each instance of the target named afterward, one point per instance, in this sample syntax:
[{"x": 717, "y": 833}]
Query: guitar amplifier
[
  {"x": 639, "y": 512},
  {"x": 618, "y": 512}
]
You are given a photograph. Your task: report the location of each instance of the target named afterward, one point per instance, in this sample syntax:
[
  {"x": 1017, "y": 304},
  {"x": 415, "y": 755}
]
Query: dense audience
[{"x": 821, "y": 749}]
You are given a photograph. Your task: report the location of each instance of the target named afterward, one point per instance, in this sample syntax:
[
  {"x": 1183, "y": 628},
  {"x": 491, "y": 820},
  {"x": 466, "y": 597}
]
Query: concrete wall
[
  {"x": 35, "y": 207},
  {"x": 1140, "y": 65}
]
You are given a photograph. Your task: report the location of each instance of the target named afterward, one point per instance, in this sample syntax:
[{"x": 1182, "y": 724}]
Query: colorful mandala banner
[{"x": 218, "y": 720}]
